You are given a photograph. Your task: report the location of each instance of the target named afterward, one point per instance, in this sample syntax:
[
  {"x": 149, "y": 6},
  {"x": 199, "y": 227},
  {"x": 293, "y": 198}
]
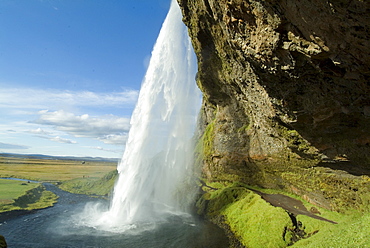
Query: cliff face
[{"x": 286, "y": 95}]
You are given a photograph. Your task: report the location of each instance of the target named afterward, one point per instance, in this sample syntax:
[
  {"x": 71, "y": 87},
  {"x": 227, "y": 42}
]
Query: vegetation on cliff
[
  {"x": 257, "y": 223},
  {"x": 286, "y": 106}
]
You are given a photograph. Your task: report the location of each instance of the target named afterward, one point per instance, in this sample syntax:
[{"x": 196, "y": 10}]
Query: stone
[
  {"x": 3, "y": 242},
  {"x": 285, "y": 88}
]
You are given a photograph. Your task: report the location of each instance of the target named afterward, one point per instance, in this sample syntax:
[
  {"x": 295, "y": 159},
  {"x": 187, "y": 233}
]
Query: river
[{"x": 55, "y": 227}]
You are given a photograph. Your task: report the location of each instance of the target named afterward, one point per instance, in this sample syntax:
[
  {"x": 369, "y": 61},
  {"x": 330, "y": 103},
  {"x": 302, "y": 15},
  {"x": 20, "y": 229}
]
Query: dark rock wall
[{"x": 286, "y": 90}]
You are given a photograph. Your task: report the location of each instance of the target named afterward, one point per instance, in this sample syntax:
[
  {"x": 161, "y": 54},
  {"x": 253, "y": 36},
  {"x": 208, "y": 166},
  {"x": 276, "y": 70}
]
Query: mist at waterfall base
[{"x": 156, "y": 169}]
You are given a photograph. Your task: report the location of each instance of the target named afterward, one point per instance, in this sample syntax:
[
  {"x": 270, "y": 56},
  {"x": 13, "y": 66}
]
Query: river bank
[{"x": 20, "y": 194}]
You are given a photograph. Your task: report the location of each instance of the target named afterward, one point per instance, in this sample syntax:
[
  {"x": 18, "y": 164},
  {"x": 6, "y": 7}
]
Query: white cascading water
[{"x": 158, "y": 155}]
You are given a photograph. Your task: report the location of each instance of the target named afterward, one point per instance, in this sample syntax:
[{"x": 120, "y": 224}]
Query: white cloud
[
  {"x": 114, "y": 139},
  {"x": 62, "y": 140},
  {"x": 106, "y": 150},
  {"x": 64, "y": 117},
  {"x": 39, "y": 131},
  {"x": 110, "y": 129},
  {"x": 28, "y": 98},
  {"x": 12, "y": 146}
]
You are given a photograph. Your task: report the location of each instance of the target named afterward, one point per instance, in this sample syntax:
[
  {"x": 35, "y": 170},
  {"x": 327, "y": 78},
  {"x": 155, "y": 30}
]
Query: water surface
[{"x": 56, "y": 227}]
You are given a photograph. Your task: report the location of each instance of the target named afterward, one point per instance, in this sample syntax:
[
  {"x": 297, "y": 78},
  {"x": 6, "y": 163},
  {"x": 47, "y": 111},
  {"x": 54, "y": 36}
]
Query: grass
[
  {"x": 89, "y": 177},
  {"x": 352, "y": 230},
  {"x": 91, "y": 186},
  {"x": 11, "y": 189},
  {"x": 17, "y": 195},
  {"x": 47, "y": 170},
  {"x": 253, "y": 221},
  {"x": 258, "y": 224}
]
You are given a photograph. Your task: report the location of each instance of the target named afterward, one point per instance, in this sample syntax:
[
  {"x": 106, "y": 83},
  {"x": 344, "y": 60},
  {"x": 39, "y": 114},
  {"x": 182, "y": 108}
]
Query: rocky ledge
[{"x": 286, "y": 96}]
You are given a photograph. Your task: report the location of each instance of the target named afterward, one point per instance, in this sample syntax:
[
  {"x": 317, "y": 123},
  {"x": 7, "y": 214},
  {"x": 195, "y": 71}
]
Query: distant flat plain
[{"x": 53, "y": 170}]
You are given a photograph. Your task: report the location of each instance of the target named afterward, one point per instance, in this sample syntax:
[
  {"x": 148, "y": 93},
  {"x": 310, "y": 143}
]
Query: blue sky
[{"x": 70, "y": 72}]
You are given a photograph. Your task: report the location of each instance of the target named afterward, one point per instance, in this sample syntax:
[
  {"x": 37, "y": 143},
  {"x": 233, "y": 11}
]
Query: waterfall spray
[{"x": 158, "y": 154}]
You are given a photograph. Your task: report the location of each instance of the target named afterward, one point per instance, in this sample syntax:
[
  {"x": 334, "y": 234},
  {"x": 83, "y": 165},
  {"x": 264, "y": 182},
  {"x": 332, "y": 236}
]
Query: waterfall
[{"x": 158, "y": 155}]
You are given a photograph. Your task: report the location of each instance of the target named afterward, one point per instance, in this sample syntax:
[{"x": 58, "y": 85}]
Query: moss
[
  {"x": 220, "y": 199},
  {"x": 296, "y": 143},
  {"x": 207, "y": 140},
  {"x": 352, "y": 230},
  {"x": 306, "y": 176},
  {"x": 339, "y": 191},
  {"x": 204, "y": 144},
  {"x": 255, "y": 222},
  {"x": 245, "y": 128},
  {"x": 308, "y": 99},
  {"x": 258, "y": 224}
]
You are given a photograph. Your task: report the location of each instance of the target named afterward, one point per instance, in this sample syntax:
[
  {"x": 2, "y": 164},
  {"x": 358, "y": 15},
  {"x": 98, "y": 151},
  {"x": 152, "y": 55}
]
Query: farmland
[{"x": 10, "y": 190}]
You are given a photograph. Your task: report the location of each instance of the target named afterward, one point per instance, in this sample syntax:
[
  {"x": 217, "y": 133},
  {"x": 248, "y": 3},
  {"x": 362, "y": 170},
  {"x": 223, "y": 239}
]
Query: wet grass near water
[{"x": 76, "y": 176}]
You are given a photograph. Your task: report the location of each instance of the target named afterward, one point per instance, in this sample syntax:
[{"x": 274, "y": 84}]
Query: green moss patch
[
  {"x": 207, "y": 140},
  {"x": 352, "y": 230},
  {"x": 339, "y": 191},
  {"x": 256, "y": 223}
]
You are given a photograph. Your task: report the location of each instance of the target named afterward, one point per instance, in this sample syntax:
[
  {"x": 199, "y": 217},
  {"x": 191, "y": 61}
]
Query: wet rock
[{"x": 3, "y": 242}]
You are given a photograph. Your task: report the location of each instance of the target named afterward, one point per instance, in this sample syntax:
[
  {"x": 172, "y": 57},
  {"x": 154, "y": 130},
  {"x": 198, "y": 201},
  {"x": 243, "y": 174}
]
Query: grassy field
[
  {"x": 18, "y": 195},
  {"x": 47, "y": 170},
  {"x": 91, "y": 186},
  {"x": 11, "y": 189},
  {"x": 76, "y": 176}
]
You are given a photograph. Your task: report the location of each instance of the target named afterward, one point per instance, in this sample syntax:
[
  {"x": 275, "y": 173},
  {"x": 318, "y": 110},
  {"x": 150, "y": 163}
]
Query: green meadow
[
  {"x": 53, "y": 170},
  {"x": 76, "y": 176},
  {"x": 11, "y": 189},
  {"x": 18, "y": 195}
]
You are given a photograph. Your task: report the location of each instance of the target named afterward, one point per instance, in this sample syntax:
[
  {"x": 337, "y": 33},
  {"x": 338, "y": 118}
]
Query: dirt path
[{"x": 290, "y": 204}]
